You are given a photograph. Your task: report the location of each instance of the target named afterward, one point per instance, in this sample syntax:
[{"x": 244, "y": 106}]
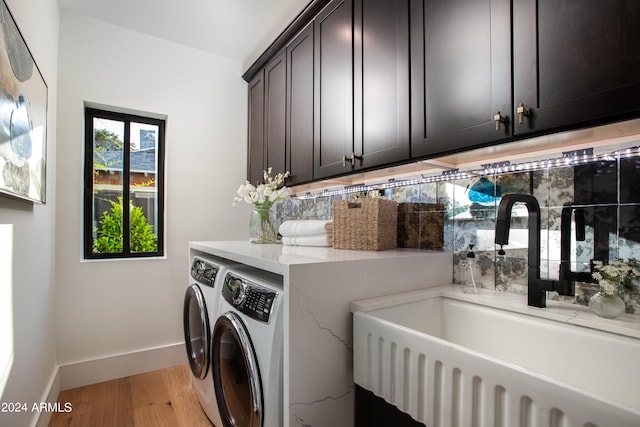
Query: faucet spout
[{"x": 537, "y": 287}]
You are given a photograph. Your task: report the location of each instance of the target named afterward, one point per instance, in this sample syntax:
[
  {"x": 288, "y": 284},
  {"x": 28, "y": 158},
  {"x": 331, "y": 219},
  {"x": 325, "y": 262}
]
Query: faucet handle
[{"x": 580, "y": 225}]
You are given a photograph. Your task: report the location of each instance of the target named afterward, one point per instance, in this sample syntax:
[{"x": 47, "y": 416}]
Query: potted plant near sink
[{"x": 615, "y": 277}]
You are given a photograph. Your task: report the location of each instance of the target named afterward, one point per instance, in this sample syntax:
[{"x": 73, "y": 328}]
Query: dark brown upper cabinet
[
  {"x": 576, "y": 62},
  {"x": 267, "y": 120},
  {"x": 460, "y": 74},
  {"x": 275, "y": 88},
  {"x": 362, "y": 86},
  {"x": 333, "y": 89},
  {"x": 281, "y": 114},
  {"x": 381, "y": 82},
  {"x": 256, "y": 147},
  {"x": 353, "y": 85},
  {"x": 299, "y": 136}
]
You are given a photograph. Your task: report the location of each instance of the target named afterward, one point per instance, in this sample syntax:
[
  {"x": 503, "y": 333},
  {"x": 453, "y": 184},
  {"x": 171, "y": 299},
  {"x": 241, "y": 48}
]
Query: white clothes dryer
[
  {"x": 200, "y": 310},
  {"x": 247, "y": 350}
]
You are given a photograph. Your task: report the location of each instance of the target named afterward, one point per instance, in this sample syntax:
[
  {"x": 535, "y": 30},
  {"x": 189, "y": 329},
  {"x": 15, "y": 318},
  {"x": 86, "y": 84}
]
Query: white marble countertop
[
  {"x": 626, "y": 324},
  {"x": 276, "y": 257}
]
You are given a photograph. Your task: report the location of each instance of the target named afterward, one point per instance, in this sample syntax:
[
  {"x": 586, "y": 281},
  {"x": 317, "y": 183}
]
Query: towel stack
[{"x": 308, "y": 232}]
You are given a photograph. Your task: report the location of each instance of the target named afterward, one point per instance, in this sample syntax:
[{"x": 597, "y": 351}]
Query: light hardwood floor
[{"x": 154, "y": 399}]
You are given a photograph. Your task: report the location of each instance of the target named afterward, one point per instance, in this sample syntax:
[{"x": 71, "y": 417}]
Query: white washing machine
[
  {"x": 247, "y": 340},
  {"x": 200, "y": 310}
]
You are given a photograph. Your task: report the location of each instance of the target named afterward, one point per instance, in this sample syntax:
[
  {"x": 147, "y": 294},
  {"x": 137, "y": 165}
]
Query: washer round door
[
  {"x": 236, "y": 376},
  {"x": 196, "y": 331}
]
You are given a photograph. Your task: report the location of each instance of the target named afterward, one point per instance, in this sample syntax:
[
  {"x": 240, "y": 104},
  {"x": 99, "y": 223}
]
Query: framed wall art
[{"x": 23, "y": 116}]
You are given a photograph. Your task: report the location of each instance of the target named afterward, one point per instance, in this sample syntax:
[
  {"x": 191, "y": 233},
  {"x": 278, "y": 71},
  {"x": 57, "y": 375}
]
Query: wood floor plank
[
  {"x": 114, "y": 407},
  {"x": 151, "y": 401},
  {"x": 185, "y": 404},
  {"x": 81, "y": 415},
  {"x": 158, "y": 398}
]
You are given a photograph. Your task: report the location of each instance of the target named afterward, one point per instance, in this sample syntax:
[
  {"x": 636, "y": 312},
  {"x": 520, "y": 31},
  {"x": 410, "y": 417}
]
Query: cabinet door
[
  {"x": 381, "y": 83},
  {"x": 300, "y": 107},
  {"x": 575, "y": 62},
  {"x": 275, "y": 85},
  {"x": 333, "y": 104},
  {"x": 255, "y": 164},
  {"x": 460, "y": 74}
]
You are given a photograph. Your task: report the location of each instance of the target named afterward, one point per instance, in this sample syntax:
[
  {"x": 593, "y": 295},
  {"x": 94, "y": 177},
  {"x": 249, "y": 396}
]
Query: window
[{"x": 124, "y": 185}]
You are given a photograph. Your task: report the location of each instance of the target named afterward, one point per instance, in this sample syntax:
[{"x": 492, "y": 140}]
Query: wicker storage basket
[
  {"x": 421, "y": 225},
  {"x": 366, "y": 225}
]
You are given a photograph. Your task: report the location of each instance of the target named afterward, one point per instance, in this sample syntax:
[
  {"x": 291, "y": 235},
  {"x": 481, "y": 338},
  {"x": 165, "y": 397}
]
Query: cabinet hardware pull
[
  {"x": 351, "y": 159},
  {"x": 522, "y": 111},
  {"x": 499, "y": 118}
]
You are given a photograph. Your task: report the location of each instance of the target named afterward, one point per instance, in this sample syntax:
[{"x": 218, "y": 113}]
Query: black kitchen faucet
[{"x": 537, "y": 287}]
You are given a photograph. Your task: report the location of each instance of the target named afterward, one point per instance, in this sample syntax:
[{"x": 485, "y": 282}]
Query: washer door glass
[
  {"x": 236, "y": 377},
  {"x": 196, "y": 331}
]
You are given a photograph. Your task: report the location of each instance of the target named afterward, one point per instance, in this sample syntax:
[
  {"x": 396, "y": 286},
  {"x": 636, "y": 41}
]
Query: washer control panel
[
  {"x": 204, "y": 272},
  {"x": 249, "y": 298}
]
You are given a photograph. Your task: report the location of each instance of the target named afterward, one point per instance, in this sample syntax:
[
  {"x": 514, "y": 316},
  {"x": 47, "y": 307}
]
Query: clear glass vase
[
  {"x": 263, "y": 226},
  {"x": 608, "y": 306}
]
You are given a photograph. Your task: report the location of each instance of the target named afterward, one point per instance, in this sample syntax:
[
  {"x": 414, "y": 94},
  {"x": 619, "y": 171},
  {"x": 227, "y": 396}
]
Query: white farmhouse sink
[{"x": 451, "y": 359}]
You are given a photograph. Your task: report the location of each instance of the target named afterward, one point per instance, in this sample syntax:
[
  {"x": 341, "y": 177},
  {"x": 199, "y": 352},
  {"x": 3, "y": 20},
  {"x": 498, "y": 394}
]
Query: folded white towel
[
  {"x": 295, "y": 253},
  {"x": 322, "y": 239},
  {"x": 303, "y": 227}
]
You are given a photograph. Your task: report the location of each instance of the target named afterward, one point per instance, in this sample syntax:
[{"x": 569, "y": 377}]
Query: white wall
[
  {"x": 107, "y": 308},
  {"x": 32, "y": 246}
]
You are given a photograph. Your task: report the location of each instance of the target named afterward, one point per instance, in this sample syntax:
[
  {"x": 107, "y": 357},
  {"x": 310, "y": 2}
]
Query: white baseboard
[
  {"x": 93, "y": 371},
  {"x": 50, "y": 395}
]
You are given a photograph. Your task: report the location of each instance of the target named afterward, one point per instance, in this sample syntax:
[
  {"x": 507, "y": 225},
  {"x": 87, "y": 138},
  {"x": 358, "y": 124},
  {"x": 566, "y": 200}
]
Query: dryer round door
[
  {"x": 236, "y": 376},
  {"x": 196, "y": 331}
]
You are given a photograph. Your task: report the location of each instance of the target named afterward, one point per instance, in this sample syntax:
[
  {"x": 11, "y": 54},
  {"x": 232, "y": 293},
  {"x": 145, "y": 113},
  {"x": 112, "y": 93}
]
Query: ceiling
[{"x": 238, "y": 29}]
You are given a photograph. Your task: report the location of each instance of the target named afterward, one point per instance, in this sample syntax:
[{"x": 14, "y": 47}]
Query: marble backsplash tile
[{"x": 606, "y": 191}]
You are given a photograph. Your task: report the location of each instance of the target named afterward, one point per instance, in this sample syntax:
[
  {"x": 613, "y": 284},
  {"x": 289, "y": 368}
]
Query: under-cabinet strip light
[{"x": 568, "y": 159}]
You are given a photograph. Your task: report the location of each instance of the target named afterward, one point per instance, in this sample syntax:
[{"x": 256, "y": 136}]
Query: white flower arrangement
[
  {"x": 264, "y": 194},
  {"x": 610, "y": 275}
]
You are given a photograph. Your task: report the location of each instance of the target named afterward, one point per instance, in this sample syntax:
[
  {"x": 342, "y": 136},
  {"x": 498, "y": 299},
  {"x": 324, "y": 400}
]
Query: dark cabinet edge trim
[{"x": 299, "y": 22}]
